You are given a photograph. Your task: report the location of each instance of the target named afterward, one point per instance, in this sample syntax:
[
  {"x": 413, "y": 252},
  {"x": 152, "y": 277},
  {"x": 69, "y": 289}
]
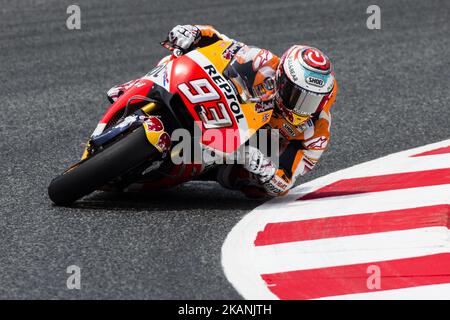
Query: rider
[{"x": 300, "y": 87}]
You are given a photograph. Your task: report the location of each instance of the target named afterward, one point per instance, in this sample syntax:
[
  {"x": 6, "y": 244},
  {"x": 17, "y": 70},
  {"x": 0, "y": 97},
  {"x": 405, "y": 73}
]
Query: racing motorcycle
[{"x": 204, "y": 89}]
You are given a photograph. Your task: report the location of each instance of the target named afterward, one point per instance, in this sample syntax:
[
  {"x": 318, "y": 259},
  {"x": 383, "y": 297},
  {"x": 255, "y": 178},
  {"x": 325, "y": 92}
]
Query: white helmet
[{"x": 305, "y": 80}]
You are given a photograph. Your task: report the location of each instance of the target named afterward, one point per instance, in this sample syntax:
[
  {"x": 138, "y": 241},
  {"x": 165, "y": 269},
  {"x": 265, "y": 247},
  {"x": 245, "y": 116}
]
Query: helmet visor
[{"x": 302, "y": 102}]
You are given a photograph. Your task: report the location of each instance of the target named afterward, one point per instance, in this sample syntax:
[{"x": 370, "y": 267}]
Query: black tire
[{"x": 90, "y": 175}]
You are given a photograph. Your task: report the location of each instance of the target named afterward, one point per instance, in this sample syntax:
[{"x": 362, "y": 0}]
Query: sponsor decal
[
  {"x": 259, "y": 90},
  {"x": 316, "y": 59},
  {"x": 159, "y": 75},
  {"x": 261, "y": 58},
  {"x": 156, "y": 71},
  {"x": 309, "y": 162},
  {"x": 139, "y": 84},
  {"x": 263, "y": 106},
  {"x": 289, "y": 129},
  {"x": 126, "y": 122},
  {"x": 275, "y": 186},
  {"x": 231, "y": 50},
  {"x": 317, "y": 143},
  {"x": 263, "y": 88},
  {"x": 164, "y": 142},
  {"x": 291, "y": 69},
  {"x": 269, "y": 83},
  {"x": 155, "y": 134},
  {"x": 315, "y": 81},
  {"x": 215, "y": 116},
  {"x": 227, "y": 91},
  {"x": 165, "y": 77},
  {"x": 154, "y": 124},
  {"x": 305, "y": 125}
]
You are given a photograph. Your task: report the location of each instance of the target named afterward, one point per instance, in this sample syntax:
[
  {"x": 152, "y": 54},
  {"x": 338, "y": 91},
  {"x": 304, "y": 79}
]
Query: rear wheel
[{"x": 130, "y": 152}]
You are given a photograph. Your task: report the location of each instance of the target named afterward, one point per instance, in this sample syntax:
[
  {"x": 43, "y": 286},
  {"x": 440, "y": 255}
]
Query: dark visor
[{"x": 300, "y": 101}]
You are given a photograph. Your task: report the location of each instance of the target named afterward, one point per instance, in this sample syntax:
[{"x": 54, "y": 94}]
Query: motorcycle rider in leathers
[{"x": 300, "y": 87}]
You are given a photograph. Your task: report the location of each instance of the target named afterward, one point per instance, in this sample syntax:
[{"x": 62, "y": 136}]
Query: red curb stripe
[
  {"x": 357, "y": 224},
  {"x": 333, "y": 281},
  {"x": 381, "y": 183},
  {"x": 433, "y": 152}
]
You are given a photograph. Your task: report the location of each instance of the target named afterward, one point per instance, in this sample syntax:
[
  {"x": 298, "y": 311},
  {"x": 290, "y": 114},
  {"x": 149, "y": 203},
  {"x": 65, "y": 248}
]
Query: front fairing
[
  {"x": 211, "y": 99},
  {"x": 203, "y": 94}
]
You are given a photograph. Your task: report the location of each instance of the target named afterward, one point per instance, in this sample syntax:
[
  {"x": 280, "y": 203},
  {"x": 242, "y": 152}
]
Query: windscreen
[{"x": 242, "y": 77}]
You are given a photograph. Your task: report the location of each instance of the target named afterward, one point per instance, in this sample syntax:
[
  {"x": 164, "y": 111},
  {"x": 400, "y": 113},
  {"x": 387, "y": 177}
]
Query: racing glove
[
  {"x": 258, "y": 164},
  {"x": 184, "y": 36}
]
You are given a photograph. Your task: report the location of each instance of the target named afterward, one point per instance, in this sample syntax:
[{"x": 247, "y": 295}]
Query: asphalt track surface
[{"x": 394, "y": 95}]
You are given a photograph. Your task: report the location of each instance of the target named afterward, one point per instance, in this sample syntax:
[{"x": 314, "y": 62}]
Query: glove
[
  {"x": 183, "y": 36},
  {"x": 257, "y": 163}
]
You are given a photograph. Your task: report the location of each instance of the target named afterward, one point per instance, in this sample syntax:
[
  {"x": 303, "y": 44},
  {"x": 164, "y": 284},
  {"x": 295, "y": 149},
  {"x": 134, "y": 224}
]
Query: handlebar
[{"x": 176, "y": 51}]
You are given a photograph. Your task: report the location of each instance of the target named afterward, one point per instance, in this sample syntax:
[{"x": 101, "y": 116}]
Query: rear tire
[{"x": 128, "y": 153}]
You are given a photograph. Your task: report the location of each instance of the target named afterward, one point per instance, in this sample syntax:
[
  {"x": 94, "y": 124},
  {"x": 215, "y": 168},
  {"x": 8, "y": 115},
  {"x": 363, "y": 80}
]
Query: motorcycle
[{"x": 202, "y": 90}]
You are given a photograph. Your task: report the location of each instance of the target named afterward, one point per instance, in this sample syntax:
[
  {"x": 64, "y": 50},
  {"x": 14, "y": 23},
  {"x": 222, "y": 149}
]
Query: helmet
[{"x": 305, "y": 80}]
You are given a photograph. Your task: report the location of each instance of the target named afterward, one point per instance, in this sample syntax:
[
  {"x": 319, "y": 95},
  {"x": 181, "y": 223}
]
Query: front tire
[{"x": 130, "y": 152}]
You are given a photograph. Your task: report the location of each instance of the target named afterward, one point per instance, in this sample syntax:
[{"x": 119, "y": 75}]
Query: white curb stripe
[{"x": 244, "y": 263}]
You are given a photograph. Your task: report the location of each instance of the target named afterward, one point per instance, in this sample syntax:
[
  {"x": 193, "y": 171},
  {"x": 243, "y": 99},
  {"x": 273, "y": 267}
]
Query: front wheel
[{"x": 126, "y": 154}]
